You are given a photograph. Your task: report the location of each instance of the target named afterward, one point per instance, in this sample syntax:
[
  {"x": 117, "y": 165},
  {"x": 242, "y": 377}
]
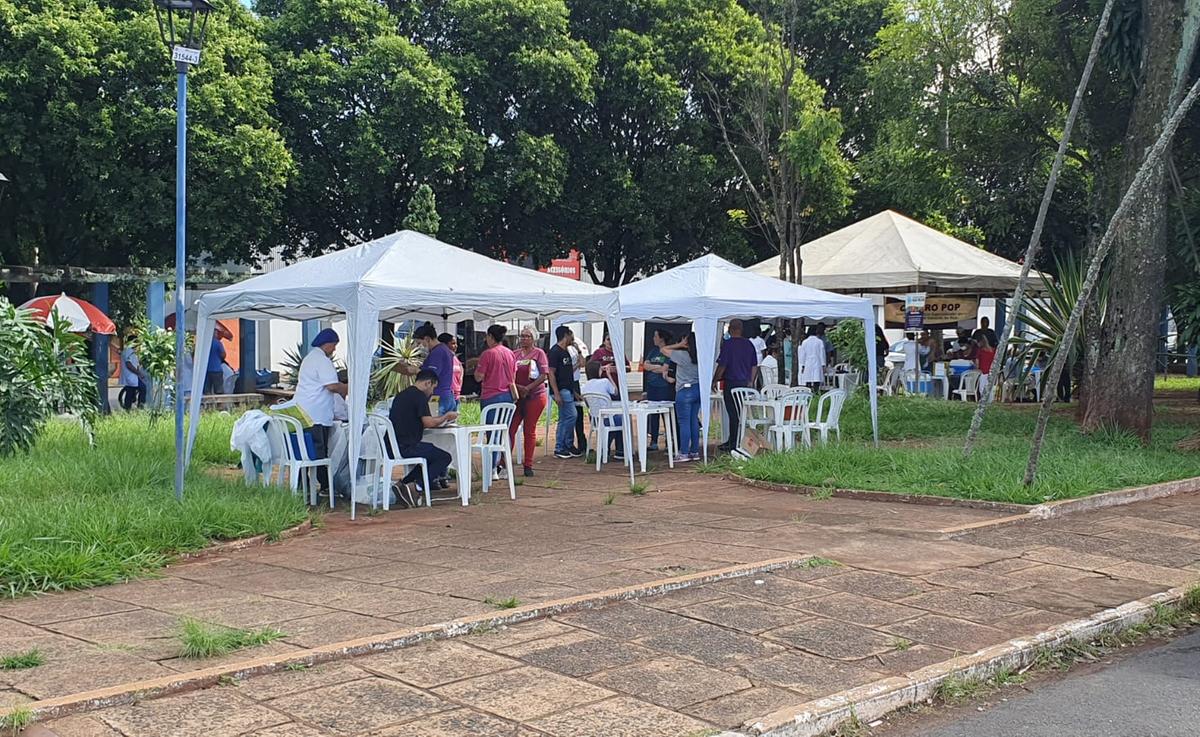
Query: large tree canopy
[{"x": 87, "y": 136}]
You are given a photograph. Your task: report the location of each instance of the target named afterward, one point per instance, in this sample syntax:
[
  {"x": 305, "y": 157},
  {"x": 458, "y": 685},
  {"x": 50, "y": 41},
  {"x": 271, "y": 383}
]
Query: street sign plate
[{"x": 185, "y": 55}]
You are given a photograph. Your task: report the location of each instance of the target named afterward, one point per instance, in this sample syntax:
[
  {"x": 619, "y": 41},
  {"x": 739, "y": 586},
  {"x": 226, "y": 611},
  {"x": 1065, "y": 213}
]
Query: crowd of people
[
  {"x": 923, "y": 351},
  {"x": 530, "y": 377}
]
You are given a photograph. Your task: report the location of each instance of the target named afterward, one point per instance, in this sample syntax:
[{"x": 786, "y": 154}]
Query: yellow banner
[{"x": 940, "y": 312}]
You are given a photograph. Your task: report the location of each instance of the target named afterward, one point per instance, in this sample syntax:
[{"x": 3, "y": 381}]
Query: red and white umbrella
[{"x": 83, "y": 317}]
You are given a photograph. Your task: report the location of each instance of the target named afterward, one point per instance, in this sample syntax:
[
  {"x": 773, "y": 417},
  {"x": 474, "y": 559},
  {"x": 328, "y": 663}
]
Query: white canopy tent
[
  {"x": 403, "y": 276},
  {"x": 890, "y": 253},
  {"x": 711, "y": 289}
]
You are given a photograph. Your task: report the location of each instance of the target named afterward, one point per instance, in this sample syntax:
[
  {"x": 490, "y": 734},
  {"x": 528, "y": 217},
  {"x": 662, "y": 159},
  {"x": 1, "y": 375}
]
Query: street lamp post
[{"x": 182, "y": 24}]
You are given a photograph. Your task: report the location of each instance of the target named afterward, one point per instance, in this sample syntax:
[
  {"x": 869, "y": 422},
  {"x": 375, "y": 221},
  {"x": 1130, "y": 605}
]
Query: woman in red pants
[{"x": 532, "y": 373}]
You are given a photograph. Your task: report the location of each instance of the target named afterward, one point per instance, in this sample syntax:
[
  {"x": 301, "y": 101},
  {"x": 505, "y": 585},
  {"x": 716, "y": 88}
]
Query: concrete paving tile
[
  {"x": 770, "y": 588},
  {"x": 579, "y": 653},
  {"x": 10, "y": 629},
  {"x": 856, "y": 609},
  {"x": 901, "y": 662},
  {"x": 256, "y": 611},
  {"x": 620, "y": 717},
  {"x": 214, "y": 712},
  {"x": 313, "y": 560},
  {"x": 387, "y": 572},
  {"x": 458, "y": 723},
  {"x": 435, "y": 664},
  {"x": 732, "y": 710},
  {"x": 206, "y": 570},
  {"x": 682, "y": 598},
  {"x": 525, "y": 590},
  {"x": 171, "y": 594},
  {"x": 1047, "y": 574},
  {"x": 975, "y": 581},
  {"x": 80, "y": 726},
  {"x": 451, "y": 608},
  {"x": 669, "y": 566},
  {"x": 1051, "y": 598},
  {"x": 451, "y": 582},
  {"x": 958, "y": 635},
  {"x": 671, "y": 682},
  {"x": 908, "y": 557},
  {"x": 1008, "y": 565},
  {"x": 277, "y": 649},
  {"x": 324, "y": 629},
  {"x": 810, "y": 675},
  {"x": 727, "y": 554},
  {"x": 287, "y": 682},
  {"x": 806, "y": 574},
  {"x": 710, "y": 644},
  {"x": 1148, "y": 525},
  {"x": 1080, "y": 543},
  {"x": 121, "y": 627},
  {"x": 9, "y": 698},
  {"x": 616, "y": 580},
  {"x": 365, "y": 598},
  {"x": 833, "y": 639},
  {"x": 83, "y": 667},
  {"x": 523, "y": 694},
  {"x": 506, "y": 636},
  {"x": 291, "y": 729},
  {"x": 1071, "y": 558},
  {"x": 975, "y": 607},
  {"x": 1176, "y": 556},
  {"x": 744, "y": 615},
  {"x": 1108, "y": 592},
  {"x": 875, "y": 585},
  {"x": 358, "y": 707},
  {"x": 283, "y": 582},
  {"x": 51, "y": 608},
  {"x": 1153, "y": 574},
  {"x": 625, "y": 620}
]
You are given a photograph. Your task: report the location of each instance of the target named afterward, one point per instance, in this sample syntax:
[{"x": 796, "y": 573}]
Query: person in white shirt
[
  {"x": 316, "y": 388},
  {"x": 602, "y": 383},
  {"x": 133, "y": 379},
  {"x": 812, "y": 359},
  {"x": 579, "y": 354},
  {"x": 769, "y": 368}
]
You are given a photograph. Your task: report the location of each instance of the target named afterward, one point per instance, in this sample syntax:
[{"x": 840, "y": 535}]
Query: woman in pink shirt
[
  {"x": 452, "y": 343},
  {"x": 533, "y": 370},
  {"x": 496, "y": 371}
]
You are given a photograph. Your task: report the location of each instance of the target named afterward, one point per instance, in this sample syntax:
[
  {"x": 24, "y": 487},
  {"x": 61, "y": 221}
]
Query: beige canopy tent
[{"x": 890, "y": 253}]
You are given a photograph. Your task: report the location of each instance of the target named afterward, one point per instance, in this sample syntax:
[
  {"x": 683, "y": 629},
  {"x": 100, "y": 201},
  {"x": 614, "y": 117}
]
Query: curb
[
  {"x": 168, "y": 685},
  {"x": 875, "y": 700},
  {"x": 230, "y": 546},
  {"x": 1018, "y": 512}
]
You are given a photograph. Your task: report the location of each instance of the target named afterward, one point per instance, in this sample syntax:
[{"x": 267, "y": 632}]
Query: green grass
[
  {"x": 1177, "y": 383},
  {"x": 609, "y": 498},
  {"x": 17, "y": 719},
  {"x": 922, "y": 454},
  {"x": 203, "y": 640},
  {"x": 511, "y": 602},
  {"x": 899, "y": 644},
  {"x": 637, "y": 489},
  {"x": 77, "y": 516},
  {"x": 22, "y": 660},
  {"x": 818, "y": 562}
]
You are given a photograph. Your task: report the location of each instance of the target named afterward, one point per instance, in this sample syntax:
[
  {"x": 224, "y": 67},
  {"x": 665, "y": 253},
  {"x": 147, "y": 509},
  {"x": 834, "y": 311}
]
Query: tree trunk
[{"x": 1121, "y": 387}]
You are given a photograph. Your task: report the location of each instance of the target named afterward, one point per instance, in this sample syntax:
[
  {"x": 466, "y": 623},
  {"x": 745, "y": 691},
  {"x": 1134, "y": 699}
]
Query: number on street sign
[{"x": 185, "y": 55}]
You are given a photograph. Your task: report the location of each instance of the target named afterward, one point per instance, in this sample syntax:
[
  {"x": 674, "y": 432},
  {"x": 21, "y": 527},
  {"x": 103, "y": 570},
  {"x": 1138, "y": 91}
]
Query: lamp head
[{"x": 182, "y": 24}]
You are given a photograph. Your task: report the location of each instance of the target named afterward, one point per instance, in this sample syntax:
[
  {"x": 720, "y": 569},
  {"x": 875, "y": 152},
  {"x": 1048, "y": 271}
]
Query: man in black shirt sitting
[{"x": 410, "y": 416}]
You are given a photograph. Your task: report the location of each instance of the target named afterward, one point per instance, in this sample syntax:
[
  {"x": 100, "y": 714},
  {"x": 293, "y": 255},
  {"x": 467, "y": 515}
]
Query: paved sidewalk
[{"x": 704, "y": 658}]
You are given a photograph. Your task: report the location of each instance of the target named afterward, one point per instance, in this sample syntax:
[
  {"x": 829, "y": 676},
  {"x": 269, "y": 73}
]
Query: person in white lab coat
[
  {"x": 316, "y": 387},
  {"x": 812, "y": 358}
]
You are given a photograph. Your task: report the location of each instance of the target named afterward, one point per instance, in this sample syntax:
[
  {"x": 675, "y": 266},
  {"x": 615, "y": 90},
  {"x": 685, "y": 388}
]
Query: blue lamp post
[{"x": 182, "y": 24}]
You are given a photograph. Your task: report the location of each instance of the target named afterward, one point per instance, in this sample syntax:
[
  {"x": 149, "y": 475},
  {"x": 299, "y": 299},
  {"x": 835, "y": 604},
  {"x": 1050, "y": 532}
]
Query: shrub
[{"x": 44, "y": 370}]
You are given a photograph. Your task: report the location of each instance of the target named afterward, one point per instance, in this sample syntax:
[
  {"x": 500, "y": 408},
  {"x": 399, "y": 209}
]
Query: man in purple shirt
[{"x": 737, "y": 365}]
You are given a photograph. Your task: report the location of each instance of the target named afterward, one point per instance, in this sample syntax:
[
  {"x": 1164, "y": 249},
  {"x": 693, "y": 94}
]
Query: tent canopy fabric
[
  {"x": 711, "y": 289},
  {"x": 402, "y": 276},
  {"x": 890, "y": 253}
]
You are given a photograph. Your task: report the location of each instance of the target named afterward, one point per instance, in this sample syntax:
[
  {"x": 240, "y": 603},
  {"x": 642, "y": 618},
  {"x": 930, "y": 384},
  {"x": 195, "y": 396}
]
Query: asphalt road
[{"x": 1153, "y": 693}]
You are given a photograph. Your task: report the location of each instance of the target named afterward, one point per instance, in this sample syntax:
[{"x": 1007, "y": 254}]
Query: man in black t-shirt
[
  {"x": 562, "y": 387},
  {"x": 410, "y": 416}
]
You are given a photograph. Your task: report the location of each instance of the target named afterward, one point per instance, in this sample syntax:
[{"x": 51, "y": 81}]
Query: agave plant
[
  {"x": 292, "y": 358},
  {"x": 386, "y": 379},
  {"x": 1046, "y": 317}
]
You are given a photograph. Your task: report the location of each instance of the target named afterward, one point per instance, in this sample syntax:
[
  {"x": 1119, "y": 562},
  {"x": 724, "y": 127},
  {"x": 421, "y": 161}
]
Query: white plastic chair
[
  {"x": 849, "y": 381},
  {"x": 385, "y": 452},
  {"x": 297, "y": 459},
  {"x": 740, "y": 395},
  {"x": 968, "y": 385},
  {"x": 891, "y": 382},
  {"x": 829, "y": 412},
  {"x": 792, "y": 422},
  {"x": 768, "y": 375},
  {"x": 775, "y": 391},
  {"x": 492, "y": 438},
  {"x": 600, "y": 414}
]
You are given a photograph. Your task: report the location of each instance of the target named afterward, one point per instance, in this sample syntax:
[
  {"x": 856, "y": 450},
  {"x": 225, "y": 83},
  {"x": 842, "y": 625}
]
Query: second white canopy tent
[{"x": 711, "y": 290}]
